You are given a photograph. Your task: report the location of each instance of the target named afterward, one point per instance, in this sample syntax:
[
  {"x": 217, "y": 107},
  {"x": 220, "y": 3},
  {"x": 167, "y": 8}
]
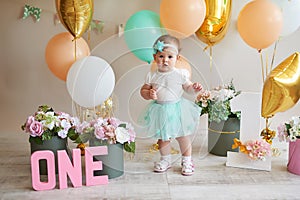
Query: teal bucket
[
  {"x": 112, "y": 163},
  {"x": 221, "y": 135},
  {"x": 54, "y": 144}
]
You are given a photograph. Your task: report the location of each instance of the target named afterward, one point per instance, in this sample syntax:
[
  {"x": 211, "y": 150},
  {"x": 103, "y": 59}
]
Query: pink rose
[
  {"x": 100, "y": 133},
  {"x": 110, "y": 134},
  {"x": 81, "y": 127},
  {"x": 36, "y": 129},
  {"x": 114, "y": 121},
  {"x": 109, "y": 128},
  {"x": 29, "y": 121}
]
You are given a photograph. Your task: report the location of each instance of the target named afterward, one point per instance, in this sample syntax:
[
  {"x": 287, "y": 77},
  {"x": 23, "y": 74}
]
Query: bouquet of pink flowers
[
  {"x": 255, "y": 149},
  {"x": 106, "y": 131},
  {"x": 46, "y": 123}
]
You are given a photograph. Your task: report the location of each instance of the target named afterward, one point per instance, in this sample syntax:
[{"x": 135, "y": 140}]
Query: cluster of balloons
[
  {"x": 90, "y": 80},
  {"x": 260, "y": 24},
  {"x": 177, "y": 17},
  {"x": 208, "y": 19}
]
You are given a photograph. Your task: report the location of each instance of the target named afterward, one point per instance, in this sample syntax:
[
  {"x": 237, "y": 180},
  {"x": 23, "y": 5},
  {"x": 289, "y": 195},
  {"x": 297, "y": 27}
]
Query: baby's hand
[
  {"x": 197, "y": 87},
  {"x": 152, "y": 94}
]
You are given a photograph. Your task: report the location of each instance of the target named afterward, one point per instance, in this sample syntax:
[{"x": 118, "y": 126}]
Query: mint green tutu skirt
[{"x": 171, "y": 120}]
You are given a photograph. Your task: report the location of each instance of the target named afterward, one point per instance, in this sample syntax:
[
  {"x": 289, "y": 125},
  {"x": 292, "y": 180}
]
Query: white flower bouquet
[
  {"x": 289, "y": 131},
  {"x": 106, "y": 131}
]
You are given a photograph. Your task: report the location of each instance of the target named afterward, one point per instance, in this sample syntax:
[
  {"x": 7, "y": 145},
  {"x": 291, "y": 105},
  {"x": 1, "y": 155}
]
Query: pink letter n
[{"x": 65, "y": 168}]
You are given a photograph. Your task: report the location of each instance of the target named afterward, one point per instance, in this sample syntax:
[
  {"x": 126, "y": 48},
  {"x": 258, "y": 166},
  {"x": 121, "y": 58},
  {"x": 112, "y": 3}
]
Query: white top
[{"x": 168, "y": 85}]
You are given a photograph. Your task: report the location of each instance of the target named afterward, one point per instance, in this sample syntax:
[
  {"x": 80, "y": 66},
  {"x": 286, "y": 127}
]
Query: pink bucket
[{"x": 293, "y": 165}]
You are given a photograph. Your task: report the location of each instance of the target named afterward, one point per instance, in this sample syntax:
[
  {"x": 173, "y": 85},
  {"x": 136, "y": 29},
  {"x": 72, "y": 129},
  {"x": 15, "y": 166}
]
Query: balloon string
[
  {"x": 262, "y": 66},
  {"x": 75, "y": 43},
  {"x": 89, "y": 36},
  {"x": 274, "y": 52},
  {"x": 210, "y": 62},
  {"x": 267, "y": 68},
  {"x": 210, "y": 58}
]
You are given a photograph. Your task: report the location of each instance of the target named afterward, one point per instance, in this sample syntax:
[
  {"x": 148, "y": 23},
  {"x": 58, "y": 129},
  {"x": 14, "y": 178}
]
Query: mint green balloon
[{"x": 141, "y": 31}]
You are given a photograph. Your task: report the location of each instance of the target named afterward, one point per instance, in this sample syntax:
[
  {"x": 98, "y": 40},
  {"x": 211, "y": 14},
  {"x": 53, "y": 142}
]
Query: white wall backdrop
[{"x": 26, "y": 81}]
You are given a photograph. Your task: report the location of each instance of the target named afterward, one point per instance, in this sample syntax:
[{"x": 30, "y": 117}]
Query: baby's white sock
[
  {"x": 166, "y": 158},
  {"x": 186, "y": 158}
]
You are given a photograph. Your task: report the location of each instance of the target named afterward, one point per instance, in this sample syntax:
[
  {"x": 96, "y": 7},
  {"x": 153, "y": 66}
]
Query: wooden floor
[{"x": 212, "y": 179}]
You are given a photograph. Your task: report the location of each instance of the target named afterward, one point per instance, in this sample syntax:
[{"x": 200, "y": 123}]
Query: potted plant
[
  {"x": 290, "y": 132},
  {"x": 113, "y": 133},
  {"x": 48, "y": 130},
  {"x": 224, "y": 125}
]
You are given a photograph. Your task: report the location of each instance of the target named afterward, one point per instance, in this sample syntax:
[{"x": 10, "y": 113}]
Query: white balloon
[
  {"x": 90, "y": 81},
  {"x": 291, "y": 15}
]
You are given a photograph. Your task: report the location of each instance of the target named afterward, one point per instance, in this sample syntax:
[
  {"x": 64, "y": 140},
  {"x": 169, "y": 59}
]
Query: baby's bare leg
[
  {"x": 164, "y": 147},
  {"x": 165, "y": 160},
  {"x": 185, "y": 145}
]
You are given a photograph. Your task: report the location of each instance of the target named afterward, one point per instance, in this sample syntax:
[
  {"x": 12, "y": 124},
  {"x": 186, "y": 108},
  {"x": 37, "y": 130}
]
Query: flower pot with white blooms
[
  {"x": 48, "y": 130},
  {"x": 290, "y": 132}
]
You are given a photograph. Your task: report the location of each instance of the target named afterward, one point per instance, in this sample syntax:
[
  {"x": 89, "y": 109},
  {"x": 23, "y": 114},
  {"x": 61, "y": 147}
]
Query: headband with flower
[{"x": 160, "y": 45}]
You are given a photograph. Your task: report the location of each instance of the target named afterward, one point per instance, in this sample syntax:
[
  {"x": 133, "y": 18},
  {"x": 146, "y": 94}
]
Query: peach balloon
[
  {"x": 60, "y": 53},
  {"x": 182, "y": 18},
  {"x": 181, "y": 63},
  {"x": 260, "y": 23}
]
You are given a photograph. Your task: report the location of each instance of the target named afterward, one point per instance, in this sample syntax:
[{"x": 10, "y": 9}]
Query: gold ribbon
[
  {"x": 223, "y": 132},
  {"x": 81, "y": 146},
  {"x": 238, "y": 143}
]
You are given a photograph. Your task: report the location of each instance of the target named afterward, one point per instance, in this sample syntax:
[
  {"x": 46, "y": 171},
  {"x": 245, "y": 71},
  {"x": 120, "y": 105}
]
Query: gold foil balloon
[
  {"x": 282, "y": 87},
  {"x": 75, "y": 15},
  {"x": 216, "y": 22}
]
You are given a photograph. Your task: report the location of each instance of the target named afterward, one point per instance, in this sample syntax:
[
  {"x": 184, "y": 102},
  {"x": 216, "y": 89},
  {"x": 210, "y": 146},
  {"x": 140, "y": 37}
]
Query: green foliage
[
  {"x": 130, "y": 147},
  {"x": 72, "y": 134}
]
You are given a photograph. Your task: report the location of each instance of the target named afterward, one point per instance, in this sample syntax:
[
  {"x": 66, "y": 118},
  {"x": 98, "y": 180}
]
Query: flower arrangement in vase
[
  {"x": 289, "y": 131},
  {"x": 46, "y": 123},
  {"x": 105, "y": 131},
  {"x": 216, "y": 103}
]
